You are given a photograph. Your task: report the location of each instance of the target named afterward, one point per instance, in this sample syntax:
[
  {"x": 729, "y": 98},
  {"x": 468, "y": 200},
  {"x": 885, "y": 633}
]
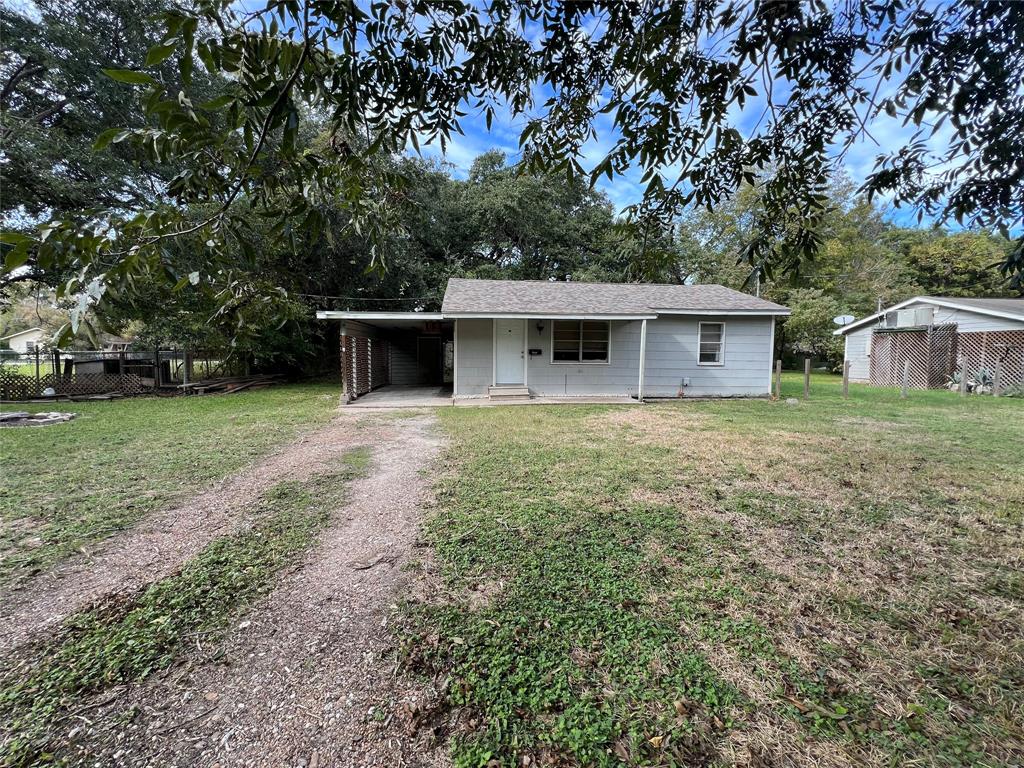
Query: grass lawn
[
  {"x": 67, "y": 485},
  {"x": 721, "y": 582}
]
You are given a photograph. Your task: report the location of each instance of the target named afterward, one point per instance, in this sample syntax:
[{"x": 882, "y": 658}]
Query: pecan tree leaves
[{"x": 702, "y": 96}]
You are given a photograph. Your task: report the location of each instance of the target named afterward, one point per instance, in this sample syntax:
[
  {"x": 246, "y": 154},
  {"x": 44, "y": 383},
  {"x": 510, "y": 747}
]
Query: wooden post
[
  {"x": 997, "y": 376},
  {"x": 120, "y": 368},
  {"x": 156, "y": 367},
  {"x": 36, "y": 350},
  {"x": 963, "y": 377},
  {"x": 846, "y": 379},
  {"x": 807, "y": 377},
  {"x": 778, "y": 379},
  {"x": 906, "y": 379},
  {"x": 188, "y": 366}
]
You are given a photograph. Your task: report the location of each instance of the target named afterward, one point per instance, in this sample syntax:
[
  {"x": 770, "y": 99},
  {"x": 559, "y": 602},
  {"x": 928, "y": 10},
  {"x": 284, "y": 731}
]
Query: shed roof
[
  {"x": 19, "y": 333},
  {"x": 1009, "y": 309},
  {"x": 553, "y": 299}
]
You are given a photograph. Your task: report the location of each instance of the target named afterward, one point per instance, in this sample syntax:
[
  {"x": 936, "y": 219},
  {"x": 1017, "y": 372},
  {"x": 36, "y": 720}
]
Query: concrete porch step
[{"x": 508, "y": 393}]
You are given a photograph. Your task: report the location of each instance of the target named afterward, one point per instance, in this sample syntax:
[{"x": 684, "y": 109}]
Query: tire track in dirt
[
  {"x": 307, "y": 678},
  {"x": 162, "y": 541}
]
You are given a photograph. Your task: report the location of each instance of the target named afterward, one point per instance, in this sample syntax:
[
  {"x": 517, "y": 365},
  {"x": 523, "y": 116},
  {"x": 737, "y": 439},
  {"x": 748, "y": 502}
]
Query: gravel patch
[
  {"x": 308, "y": 678},
  {"x": 162, "y": 541}
]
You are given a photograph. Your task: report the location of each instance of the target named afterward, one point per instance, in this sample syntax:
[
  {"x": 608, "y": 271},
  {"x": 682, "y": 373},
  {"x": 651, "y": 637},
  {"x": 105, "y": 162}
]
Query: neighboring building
[
  {"x": 506, "y": 338},
  {"x": 934, "y": 333},
  {"x": 24, "y": 342}
]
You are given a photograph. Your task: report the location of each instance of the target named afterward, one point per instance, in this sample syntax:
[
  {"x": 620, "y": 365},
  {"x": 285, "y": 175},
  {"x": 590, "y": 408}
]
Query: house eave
[
  {"x": 544, "y": 316},
  {"x": 927, "y": 300},
  {"x": 782, "y": 312},
  {"x": 369, "y": 317}
]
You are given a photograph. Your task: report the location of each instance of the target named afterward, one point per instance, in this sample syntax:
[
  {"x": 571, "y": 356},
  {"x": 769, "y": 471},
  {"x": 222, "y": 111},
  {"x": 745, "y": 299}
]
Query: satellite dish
[{"x": 843, "y": 320}]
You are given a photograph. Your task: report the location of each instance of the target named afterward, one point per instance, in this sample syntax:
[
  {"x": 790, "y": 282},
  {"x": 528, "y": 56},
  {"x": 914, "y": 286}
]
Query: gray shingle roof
[
  {"x": 1010, "y": 306},
  {"x": 538, "y": 297}
]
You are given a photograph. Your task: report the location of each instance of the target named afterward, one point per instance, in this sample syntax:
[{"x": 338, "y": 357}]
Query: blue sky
[{"x": 626, "y": 189}]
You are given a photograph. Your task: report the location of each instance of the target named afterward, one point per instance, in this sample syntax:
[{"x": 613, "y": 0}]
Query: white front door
[{"x": 508, "y": 351}]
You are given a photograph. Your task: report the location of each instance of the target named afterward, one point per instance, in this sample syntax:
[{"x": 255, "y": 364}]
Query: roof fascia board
[
  {"x": 370, "y": 316},
  {"x": 749, "y": 312},
  {"x": 979, "y": 310},
  {"x": 928, "y": 300},
  {"x": 542, "y": 316}
]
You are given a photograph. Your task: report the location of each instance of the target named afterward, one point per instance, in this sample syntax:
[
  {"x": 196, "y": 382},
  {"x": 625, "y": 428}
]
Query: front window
[
  {"x": 580, "y": 341},
  {"x": 712, "y": 344}
]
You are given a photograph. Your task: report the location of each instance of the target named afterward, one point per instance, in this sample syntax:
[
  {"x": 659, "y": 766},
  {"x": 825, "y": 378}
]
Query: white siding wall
[
  {"x": 858, "y": 342},
  {"x": 473, "y": 353},
  {"x": 404, "y": 363},
  {"x": 671, "y": 356},
  {"x": 968, "y": 322},
  {"x": 858, "y": 346}
]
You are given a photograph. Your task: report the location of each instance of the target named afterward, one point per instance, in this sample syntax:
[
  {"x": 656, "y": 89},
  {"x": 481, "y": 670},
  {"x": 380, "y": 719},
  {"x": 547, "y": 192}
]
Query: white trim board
[{"x": 946, "y": 303}]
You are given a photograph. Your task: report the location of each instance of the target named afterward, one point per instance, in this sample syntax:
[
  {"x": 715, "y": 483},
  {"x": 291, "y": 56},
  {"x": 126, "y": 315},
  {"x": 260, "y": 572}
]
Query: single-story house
[
  {"x": 938, "y": 335},
  {"x": 511, "y": 338},
  {"x": 24, "y": 342}
]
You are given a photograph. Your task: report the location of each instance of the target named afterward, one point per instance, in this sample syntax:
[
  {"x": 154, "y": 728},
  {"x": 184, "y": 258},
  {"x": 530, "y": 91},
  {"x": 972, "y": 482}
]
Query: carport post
[{"x": 643, "y": 354}]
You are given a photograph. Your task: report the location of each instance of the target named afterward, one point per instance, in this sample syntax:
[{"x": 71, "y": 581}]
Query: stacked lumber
[{"x": 228, "y": 384}]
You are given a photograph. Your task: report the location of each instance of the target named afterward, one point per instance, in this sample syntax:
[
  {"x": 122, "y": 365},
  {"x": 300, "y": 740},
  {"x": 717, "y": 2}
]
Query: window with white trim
[
  {"x": 580, "y": 341},
  {"x": 711, "y": 344}
]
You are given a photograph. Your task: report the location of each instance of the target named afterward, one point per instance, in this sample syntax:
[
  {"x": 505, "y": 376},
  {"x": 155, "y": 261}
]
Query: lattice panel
[
  {"x": 14, "y": 386},
  {"x": 930, "y": 351},
  {"x": 983, "y": 348},
  {"x": 942, "y": 355}
]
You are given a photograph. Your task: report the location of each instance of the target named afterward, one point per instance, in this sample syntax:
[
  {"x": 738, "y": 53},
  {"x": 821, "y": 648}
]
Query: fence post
[
  {"x": 807, "y": 377},
  {"x": 778, "y": 379},
  {"x": 846, "y": 379},
  {"x": 997, "y": 378},
  {"x": 36, "y": 350},
  {"x": 963, "y": 377},
  {"x": 906, "y": 379}
]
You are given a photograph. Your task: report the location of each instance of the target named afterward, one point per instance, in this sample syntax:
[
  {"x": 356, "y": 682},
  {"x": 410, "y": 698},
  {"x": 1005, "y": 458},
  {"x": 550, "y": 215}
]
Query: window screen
[
  {"x": 712, "y": 343},
  {"x": 580, "y": 341}
]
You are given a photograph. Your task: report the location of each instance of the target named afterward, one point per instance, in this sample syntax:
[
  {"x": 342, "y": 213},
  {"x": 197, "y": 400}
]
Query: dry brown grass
[{"x": 870, "y": 569}]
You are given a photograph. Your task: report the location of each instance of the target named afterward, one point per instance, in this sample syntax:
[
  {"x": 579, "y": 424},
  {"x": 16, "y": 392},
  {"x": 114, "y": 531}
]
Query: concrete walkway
[{"x": 393, "y": 396}]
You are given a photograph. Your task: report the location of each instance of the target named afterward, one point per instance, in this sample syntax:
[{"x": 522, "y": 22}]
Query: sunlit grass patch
[
  {"x": 68, "y": 485},
  {"x": 730, "y": 581}
]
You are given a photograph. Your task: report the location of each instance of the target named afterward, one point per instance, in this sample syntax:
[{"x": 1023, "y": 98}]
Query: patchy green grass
[
  {"x": 729, "y": 582},
  {"x": 128, "y": 637},
  {"x": 70, "y": 484}
]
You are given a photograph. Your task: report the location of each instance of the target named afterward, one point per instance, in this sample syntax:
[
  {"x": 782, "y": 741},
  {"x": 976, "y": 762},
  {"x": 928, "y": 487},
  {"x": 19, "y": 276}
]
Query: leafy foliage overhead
[{"x": 678, "y": 80}]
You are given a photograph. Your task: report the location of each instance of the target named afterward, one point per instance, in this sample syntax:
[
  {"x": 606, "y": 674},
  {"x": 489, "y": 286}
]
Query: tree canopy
[{"x": 680, "y": 82}]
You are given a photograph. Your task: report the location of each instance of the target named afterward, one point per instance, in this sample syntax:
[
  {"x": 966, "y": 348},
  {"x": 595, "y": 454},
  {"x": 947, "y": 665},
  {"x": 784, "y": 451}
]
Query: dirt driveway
[{"x": 306, "y": 678}]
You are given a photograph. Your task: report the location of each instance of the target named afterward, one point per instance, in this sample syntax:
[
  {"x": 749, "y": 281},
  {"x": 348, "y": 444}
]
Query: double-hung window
[
  {"x": 579, "y": 341},
  {"x": 711, "y": 344}
]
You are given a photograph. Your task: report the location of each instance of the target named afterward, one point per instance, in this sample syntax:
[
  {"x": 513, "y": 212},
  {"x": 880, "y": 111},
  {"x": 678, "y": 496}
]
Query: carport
[{"x": 398, "y": 350}]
